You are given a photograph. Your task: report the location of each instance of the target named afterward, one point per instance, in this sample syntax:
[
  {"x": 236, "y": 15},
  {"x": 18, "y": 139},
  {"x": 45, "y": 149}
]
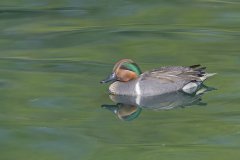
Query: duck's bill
[{"x": 112, "y": 77}]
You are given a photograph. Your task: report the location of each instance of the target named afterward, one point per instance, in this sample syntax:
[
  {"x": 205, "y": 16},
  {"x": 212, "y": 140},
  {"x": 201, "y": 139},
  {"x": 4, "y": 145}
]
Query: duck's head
[{"x": 124, "y": 70}]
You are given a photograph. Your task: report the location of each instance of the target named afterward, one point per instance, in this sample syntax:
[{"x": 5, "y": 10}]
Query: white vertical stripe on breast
[
  {"x": 138, "y": 93},
  {"x": 138, "y": 100},
  {"x": 137, "y": 88}
]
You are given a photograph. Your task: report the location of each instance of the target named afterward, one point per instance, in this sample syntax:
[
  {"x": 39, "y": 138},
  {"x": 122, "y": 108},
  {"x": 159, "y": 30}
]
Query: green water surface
[{"x": 54, "y": 53}]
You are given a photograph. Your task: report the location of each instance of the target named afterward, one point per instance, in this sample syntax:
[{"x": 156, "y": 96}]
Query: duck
[{"x": 128, "y": 79}]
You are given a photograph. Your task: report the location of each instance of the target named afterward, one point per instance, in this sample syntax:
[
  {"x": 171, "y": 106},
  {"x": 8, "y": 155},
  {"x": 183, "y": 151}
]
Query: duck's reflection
[{"x": 128, "y": 108}]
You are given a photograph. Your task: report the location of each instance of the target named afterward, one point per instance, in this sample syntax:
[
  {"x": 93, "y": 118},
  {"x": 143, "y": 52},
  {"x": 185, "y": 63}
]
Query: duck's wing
[{"x": 174, "y": 74}]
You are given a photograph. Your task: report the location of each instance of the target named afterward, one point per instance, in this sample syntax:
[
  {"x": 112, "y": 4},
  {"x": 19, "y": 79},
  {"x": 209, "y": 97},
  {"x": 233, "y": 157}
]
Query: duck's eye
[
  {"x": 125, "y": 68},
  {"x": 131, "y": 67}
]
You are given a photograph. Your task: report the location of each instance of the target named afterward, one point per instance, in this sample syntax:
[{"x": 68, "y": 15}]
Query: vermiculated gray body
[
  {"x": 147, "y": 87},
  {"x": 160, "y": 81}
]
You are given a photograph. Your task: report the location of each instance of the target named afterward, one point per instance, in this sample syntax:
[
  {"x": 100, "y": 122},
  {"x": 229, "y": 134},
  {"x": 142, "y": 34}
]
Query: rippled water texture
[{"x": 54, "y": 53}]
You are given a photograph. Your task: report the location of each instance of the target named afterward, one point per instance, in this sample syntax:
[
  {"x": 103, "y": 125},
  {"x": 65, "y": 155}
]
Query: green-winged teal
[{"x": 127, "y": 79}]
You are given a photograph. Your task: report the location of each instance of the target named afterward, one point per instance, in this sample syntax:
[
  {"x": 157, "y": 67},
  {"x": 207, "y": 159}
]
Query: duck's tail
[{"x": 207, "y": 75}]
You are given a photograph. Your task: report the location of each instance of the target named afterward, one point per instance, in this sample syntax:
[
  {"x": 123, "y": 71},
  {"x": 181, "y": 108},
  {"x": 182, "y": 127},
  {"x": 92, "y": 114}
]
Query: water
[{"x": 54, "y": 53}]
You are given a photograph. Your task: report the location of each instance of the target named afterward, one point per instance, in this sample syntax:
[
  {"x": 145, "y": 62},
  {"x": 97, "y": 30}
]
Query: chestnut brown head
[{"x": 124, "y": 70}]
